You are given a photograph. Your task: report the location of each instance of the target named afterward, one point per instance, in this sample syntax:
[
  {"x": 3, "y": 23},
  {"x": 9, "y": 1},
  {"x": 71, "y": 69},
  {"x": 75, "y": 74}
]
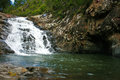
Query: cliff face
[
  {"x": 70, "y": 32},
  {"x": 4, "y": 31},
  {"x": 95, "y": 31},
  {"x": 107, "y": 22},
  {"x": 89, "y": 32}
]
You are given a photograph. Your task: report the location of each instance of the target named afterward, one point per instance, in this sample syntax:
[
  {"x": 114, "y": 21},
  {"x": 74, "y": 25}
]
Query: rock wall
[
  {"x": 106, "y": 33},
  {"x": 85, "y": 33},
  {"x": 4, "y": 31}
]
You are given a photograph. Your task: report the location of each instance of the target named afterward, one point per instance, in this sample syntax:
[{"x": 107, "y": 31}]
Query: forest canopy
[
  {"x": 4, "y": 4},
  {"x": 57, "y": 7}
]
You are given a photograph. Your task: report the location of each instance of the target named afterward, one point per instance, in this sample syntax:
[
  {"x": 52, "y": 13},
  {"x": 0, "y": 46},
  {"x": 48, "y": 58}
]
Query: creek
[
  {"x": 33, "y": 48},
  {"x": 67, "y": 66}
]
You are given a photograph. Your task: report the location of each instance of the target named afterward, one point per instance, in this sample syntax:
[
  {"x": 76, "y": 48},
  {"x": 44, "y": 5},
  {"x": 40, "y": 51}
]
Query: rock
[
  {"x": 11, "y": 72},
  {"x": 100, "y": 7},
  {"x": 102, "y": 33},
  {"x": 67, "y": 33},
  {"x": 115, "y": 47},
  {"x": 2, "y": 22},
  {"x": 4, "y": 48},
  {"x": 84, "y": 33},
  {"x": 4, "y": 31}
]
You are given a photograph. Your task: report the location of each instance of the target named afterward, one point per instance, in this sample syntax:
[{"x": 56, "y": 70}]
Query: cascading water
[{"x": 25, "y": 38}]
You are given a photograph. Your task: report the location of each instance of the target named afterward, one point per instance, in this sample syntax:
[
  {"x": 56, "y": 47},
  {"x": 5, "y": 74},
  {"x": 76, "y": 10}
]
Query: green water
[{"x": 72, "y": 66}]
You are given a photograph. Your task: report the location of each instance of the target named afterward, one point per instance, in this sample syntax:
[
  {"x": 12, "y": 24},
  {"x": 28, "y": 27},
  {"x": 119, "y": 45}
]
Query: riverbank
[
  {"x": 97, "y": 30},
  {"x": 11, "y": 72},
  {"x": 62, "y": 66}
]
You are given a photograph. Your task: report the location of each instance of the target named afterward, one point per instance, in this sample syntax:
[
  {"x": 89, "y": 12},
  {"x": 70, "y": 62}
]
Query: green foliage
[
  {"x": 4, "y": 4},
  {"x": 19, "y": 3},
  {"x": 57, "y": 7}
]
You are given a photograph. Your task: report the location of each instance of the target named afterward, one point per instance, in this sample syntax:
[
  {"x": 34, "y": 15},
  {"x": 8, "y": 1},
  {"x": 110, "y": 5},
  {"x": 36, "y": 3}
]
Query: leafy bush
[{"x": 4, "y": 4}]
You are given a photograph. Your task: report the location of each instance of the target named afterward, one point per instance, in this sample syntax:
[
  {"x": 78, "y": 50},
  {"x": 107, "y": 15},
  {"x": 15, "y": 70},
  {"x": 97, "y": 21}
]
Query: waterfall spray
[{"x": 25, "y": 38}]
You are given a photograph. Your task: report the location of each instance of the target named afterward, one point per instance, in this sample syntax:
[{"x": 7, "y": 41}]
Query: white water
[{"x": 26, "y": 39}]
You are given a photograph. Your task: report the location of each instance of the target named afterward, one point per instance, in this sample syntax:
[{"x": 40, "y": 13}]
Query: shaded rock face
[
  {"x": 11, "y": 72},
  {"x": 115, "y": 40},
  {"x": 70, "y": 32},
  {"x": 85, "y": 33},
  {"x": 4, "y": 31},
  {"x": 101, "y": 7},
  {"x": 107, "y": 30}
]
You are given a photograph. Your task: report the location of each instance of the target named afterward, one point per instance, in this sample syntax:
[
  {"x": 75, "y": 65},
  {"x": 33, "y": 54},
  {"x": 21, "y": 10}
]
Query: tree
[
  {"x": 19, "y": 2},
  {"x": 4, "y": 4}
]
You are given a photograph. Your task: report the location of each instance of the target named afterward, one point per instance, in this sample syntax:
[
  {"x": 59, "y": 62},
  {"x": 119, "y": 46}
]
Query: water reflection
[{"x": 72, "y": 66}]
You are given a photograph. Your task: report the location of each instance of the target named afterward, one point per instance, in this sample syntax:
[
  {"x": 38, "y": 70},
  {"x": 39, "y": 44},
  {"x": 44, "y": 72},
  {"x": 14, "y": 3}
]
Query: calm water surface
[{"x": 71, "y": 66}]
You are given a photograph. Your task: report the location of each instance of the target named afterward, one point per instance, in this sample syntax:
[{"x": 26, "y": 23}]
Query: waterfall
[{"x": 26, "y": 39}]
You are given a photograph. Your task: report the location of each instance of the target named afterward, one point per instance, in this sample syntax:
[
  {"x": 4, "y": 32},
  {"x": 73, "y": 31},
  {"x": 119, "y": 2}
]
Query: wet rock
[
  {"x": 11, "y": 72},
  {"x": 115, "y": 46},
  {"x": 4, "y": 48},
  {"x": 4, "y": 31}
]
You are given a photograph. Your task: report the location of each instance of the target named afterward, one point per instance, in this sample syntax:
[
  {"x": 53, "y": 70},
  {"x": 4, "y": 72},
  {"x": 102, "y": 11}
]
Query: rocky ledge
[
  {"x": 95, "y": 31},
  {"x": 4, "y": 31}
]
